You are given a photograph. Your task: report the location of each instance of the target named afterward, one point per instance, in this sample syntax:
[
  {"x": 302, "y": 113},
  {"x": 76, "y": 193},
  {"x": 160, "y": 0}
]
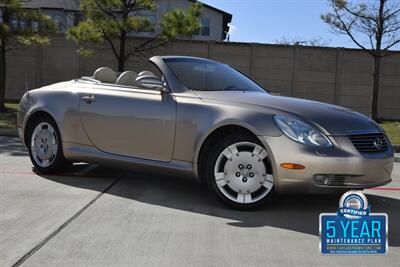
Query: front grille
[{"x": 370, "y": 143}]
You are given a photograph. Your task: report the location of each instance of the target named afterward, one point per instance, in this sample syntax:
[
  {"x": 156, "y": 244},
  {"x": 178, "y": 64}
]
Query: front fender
[
  {"x": 257, "y": 130},
  {"x": 197, "y": 119},
  {"x": 62, "y": 106}
]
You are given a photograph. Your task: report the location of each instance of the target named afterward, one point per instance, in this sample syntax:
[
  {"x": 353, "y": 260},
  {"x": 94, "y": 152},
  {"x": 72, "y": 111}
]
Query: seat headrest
[
  {"x": 146, "y": 73},
  {"x": 127, "y": 78},
  {"x": 105, "y": 75}
]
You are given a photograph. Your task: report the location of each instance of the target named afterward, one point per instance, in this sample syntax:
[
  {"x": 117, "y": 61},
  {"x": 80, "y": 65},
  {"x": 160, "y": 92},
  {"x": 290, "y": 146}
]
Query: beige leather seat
[
  {"x": 127, "y": 78},
  {"x": 105, "y": 75},
  {"x": 146, "y": 73}
]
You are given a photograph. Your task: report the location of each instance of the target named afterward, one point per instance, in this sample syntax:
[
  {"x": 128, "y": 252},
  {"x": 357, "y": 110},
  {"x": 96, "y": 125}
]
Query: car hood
[{"x": 331, "y": 119}]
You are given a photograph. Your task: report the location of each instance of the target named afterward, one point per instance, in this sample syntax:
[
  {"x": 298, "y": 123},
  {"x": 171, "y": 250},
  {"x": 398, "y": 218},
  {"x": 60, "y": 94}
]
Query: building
[{"x": 66, "y": 13}]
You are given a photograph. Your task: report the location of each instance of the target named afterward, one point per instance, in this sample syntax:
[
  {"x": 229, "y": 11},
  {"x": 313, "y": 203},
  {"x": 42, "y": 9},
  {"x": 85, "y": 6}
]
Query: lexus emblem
[{"x": 378, "y": 143}]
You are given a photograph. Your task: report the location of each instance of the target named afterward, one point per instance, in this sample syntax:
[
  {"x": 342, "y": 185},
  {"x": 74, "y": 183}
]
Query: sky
[{"x": 266, "y": 21}]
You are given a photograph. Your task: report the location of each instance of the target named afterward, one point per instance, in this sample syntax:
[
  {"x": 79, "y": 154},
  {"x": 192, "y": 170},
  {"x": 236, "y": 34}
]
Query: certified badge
[
  {"x": 353, "y": 205},
  {"x": 353, "y": 229}
]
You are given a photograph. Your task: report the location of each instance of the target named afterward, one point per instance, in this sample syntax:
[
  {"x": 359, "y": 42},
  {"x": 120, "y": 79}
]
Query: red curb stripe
[
  {"x": 385, "y": 188},
  {"x": 11, "y": 172},
  {"x": 53, "y": 174}
]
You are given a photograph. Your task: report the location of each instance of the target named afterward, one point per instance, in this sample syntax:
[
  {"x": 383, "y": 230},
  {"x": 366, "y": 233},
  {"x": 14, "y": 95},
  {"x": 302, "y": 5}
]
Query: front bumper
[{"x": 348, "y": 168}]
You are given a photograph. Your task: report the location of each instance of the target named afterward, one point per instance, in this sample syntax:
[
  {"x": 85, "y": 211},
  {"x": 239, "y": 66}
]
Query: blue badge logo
[
  {"x": 353, "y": 229},
  {"x": 353, "y": 205}
]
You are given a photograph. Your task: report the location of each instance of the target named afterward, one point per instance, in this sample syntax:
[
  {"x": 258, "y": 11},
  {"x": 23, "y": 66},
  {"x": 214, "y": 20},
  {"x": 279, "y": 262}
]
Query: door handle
[{"x": 89, "y": 99}]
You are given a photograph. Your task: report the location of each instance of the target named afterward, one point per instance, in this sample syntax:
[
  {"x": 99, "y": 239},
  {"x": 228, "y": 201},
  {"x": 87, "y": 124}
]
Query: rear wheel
[
  {"x": 44, "y": 144},
  {"x": 239, "y": 172}
]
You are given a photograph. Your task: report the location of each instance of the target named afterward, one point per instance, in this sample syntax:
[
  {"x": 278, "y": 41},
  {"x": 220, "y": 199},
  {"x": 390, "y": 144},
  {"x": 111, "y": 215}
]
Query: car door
[{"x": 130, "y": 122}]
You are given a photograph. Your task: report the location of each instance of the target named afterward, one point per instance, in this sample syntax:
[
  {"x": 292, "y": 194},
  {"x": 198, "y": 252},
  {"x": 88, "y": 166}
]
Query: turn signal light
[{"x": 292, "y": 166}]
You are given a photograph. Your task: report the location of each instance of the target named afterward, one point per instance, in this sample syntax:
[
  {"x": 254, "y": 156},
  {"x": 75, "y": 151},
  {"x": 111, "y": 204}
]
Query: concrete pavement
[{"x": 96, "y": 216}]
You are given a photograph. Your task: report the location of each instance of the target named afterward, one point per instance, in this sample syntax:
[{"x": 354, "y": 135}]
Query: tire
[
  {"x": 239, "y": 172},
  {"x": 44, "y": 145}
]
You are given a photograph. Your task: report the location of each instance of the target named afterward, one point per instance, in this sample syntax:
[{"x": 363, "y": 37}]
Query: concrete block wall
[
  {"x": 389, "y": 99},
  {"x": 332, "y": 75},
  {"x": 22, "y": 71}
]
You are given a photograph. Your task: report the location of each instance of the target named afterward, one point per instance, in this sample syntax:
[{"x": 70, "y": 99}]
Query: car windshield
[{"x": 206, "y": 75}]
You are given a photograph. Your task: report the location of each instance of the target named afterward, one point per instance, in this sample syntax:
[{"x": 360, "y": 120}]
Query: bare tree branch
[
  {"x": 113, "y": 48},
  {"x": 395, "y": 12},
  {"x": 358, "y": 14},
  {"x": 380, "y": 23},
  {"x": 391, "y": 45},
  {"x": 347, "y": 30},
  {"x": 108, "y": 12}
]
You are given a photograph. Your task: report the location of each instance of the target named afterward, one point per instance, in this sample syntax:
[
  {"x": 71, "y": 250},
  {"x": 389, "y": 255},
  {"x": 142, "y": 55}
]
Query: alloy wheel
[
  {"x": 44, "y": 144},
  {"x": 241, "y": 172}
]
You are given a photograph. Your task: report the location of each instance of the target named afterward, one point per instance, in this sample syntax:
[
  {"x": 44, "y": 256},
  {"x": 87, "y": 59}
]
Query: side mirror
[{"x": 151, "y": 82}]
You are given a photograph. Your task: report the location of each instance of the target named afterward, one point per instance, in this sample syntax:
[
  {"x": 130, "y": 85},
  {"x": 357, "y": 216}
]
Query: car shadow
[
  {"x": 298, "y": 213},
  {"x": 12, "y": 146}
]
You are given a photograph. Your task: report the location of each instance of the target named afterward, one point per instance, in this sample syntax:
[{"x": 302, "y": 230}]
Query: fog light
[
  {"x": 292, "y": 166},
  {"x": 320, "y": 179}
]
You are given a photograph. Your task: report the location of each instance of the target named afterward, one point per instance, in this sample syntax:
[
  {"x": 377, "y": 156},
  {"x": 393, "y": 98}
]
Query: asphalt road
[{"x": 97, "y": 216}]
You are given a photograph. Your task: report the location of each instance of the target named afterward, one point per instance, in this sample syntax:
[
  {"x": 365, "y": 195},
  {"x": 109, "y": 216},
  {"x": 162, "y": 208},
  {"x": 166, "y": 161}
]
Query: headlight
[{"x": 301, "y": 132}]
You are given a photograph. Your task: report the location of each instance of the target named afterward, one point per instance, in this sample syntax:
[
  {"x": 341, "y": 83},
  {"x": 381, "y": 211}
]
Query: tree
[
  {"x": 317, "y": 41},
  {"x": 112, "y": 21},
  {"x": 13, "y": 35},
  {"x": 378, "y": 23}
]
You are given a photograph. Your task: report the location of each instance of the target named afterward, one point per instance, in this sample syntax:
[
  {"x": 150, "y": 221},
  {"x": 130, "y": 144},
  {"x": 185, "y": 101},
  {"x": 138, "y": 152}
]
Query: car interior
[{"x": 127, "y": 78}]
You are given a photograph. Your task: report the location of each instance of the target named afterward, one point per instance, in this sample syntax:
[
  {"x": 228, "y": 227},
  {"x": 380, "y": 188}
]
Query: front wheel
[
  {"x": 239, "y": 172},
  {"x": 44, "y": 146}
]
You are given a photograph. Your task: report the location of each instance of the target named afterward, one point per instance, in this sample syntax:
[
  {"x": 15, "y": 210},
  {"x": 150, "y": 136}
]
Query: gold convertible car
[{"x": 203, "y": 119}]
